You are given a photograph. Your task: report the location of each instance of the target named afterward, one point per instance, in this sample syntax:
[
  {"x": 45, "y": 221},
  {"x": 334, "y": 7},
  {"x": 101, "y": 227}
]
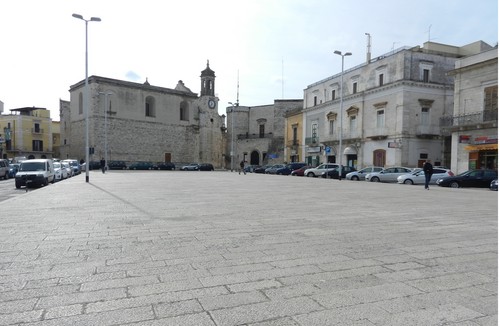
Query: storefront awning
[{"x": 482, "y": 147}]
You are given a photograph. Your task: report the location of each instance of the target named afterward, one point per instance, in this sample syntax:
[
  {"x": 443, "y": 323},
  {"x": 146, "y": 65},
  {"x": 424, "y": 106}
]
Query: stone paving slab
[{"x": 217, "y": 248}]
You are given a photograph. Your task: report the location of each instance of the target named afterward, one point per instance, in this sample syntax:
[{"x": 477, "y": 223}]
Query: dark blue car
[{"x": 287, "y": 170}]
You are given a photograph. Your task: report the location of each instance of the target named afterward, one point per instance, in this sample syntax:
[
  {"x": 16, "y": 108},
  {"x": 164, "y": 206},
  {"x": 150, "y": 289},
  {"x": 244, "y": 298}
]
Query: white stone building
[
  {"x": 143, "y": 122},
  {"x": 474, "y": 123},
  {"x": 391, "y": 111},
  {"x": 256, "y": 134}
]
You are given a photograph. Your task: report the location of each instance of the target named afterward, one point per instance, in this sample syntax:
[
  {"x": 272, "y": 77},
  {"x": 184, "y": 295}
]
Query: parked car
[
  {"x": 190, "y": 167},
  {"x": 316, "y": 172},
  {"x": 273, "y": 168},
  {"x": 334, "y": 174},
  {"x": 4, "y": 169},
  {"x": 418, "y": 177},
  {"x": 164, "y": 166},
  {"x": 300, "y": 172},
  {"x": 94, "y": 165},
  {"x": 494, "y": 185},
  {"x": 75, "y": 166},
  {"x": 471, "y": 178},
  {"x": 141, "y": 166},
  {"x": 360, "y": 175},
  {"x": 60, "y": 173},
  {"x": 387, "y": 175},
  {"x": 117, "y": 165},
  {"x": 35, "y": 172},
  {"x": 68, "y": 168},
  {"x": 261, "y": 169},
  {"x": 13, "y": 168},
  {"x": 205, "y": 167},
  {"x": 250, "y": 168},
  {"x": 287, "y": 170}
]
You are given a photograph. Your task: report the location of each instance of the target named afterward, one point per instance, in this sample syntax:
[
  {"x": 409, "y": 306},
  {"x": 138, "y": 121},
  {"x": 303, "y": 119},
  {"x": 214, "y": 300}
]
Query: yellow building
[
  {"x": 27, "y": 132},
  {"x": 293, "y": 136}
]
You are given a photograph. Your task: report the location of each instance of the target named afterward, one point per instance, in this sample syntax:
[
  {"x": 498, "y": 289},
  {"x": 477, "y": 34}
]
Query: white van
[{"x": 35, "y": 172}]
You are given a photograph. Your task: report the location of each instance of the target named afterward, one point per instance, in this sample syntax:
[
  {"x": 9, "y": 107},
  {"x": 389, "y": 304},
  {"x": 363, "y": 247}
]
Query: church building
[{"x": 133, "y": 122}]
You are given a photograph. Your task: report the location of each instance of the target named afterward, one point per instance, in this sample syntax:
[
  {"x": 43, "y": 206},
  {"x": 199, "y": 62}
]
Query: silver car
[
  {"x": 418, "y": 176},
  {"x": 360, "y": 175},
  {"x": 387, "y": 175},
  {"x": 317, "y": 171}
]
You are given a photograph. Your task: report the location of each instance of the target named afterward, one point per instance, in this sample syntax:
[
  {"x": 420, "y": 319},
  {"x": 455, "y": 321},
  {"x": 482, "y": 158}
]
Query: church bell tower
[{"x": 207, "y": 81}]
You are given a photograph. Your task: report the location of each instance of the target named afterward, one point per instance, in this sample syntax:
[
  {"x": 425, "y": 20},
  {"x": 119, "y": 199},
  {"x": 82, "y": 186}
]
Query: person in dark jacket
[
  {"x": 428, "y": 173},
  {"x": 103, "y": 165}
]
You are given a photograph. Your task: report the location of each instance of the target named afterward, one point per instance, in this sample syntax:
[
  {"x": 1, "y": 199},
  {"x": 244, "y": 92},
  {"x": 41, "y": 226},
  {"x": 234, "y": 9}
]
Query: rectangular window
[
  {"x": 381, "y": 79},
  {"x": 491, "y": 98},
  {"x": 333, "y": 95},
  {"x": 315, "y": 100},
  {"x": 295, "y": 131},
  {"x": 424, "y": 117},
  {"x": 380, "y": 118},
  {"x": 354, "y": 88},
  {"x": 37, "y": 145},
  {"x": 261, "y": 131},
  {"x": 36, "y": 128},
  {"x": 148, "y": 110},
  {"x": 331, "y": 127},
  {"x": 425, "y": 76},
  {"x": 352, "y": 124},
  {"x": 314, "y": 130}
]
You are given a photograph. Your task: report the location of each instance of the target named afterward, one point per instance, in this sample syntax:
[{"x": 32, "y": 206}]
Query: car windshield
[
  {"x": 32, "y": 166},
  {"x": 57, "y": 165}
]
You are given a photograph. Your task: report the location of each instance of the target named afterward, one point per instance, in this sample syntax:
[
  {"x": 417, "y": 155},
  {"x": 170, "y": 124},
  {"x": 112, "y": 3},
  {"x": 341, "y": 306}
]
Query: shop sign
[
  {"x": 486, "y": 140},
  {"x": 464, "y": 139},
  {"x": 315, "y": 149}
]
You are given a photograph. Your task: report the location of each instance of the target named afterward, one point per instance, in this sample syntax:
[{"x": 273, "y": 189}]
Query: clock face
[{"x": 211, "y": 104}]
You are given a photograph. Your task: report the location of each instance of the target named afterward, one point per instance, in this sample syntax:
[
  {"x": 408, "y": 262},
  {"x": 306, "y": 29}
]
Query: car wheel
[
  {"x": 46, "y": 182},
  {"x": 454, "y": 184},
  {"x": 355, "y": 178},
  {"x": 18, "y": 185},
  {"x": 310, "y": 174},
  {"x": 375, "y": 179},
  {"x": 408, "y": 182}
]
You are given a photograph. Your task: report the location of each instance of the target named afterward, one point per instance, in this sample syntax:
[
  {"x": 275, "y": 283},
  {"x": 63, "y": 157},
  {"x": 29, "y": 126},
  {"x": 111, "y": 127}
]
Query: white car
[
  {"x": 388, "y": 175},
  {"x": 68, "y": 168},
  {"x": 317, "y": 171},
  {"x": 418, "y": 177},
  {"x": 60, "y": 173},
  {"x": 360, "y": 175}
]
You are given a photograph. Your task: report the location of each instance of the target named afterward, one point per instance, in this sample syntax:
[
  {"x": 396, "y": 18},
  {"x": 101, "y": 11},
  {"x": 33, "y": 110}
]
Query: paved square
[{"x": 218, "y": 248}]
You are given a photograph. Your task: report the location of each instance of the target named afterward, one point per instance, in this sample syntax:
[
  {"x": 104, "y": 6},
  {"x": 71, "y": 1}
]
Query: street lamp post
[
  {"x": 341, "y": 108},
  {"x": 232, "y": 136},
  {"x": 106, "y": 107},
  {"x": 87, "y": 93}
]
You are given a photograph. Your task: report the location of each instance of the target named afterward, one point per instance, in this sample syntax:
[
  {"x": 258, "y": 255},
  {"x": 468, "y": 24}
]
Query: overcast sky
[{"x": 274, "y": 48}]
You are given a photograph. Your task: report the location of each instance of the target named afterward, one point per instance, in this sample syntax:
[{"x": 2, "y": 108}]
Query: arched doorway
[{"x": 254, "y": 158}]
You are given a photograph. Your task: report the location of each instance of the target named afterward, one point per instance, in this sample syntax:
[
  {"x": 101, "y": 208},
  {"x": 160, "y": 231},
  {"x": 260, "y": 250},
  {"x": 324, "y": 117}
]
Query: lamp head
[
  {"x": 95, "y": 19},
  {"x": 348, "y": 53},
  {"x": 338, "y": 52},
  {"x": 78, "y": 16}
]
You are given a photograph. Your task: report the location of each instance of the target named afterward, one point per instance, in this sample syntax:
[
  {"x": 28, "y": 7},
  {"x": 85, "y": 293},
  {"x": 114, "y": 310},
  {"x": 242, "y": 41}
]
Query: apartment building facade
[
  {"x": 256, "y": 134},
  {"x": 28, "y": 132},
  {"x": 473, "y": 126},
  {"x": 391, "y": 109}
]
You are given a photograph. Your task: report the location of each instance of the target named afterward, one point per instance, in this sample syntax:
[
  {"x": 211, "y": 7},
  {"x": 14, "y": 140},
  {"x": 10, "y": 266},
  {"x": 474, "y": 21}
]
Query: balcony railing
[
  {"x": 292, "y": 143},
  {"x": 377, "y": 133},
  {"x": 469, "y": 119},
  {"x": 314, "y": 141},
  {"x": 254, "y": 136},
  {"x": 36, "y": 131}
]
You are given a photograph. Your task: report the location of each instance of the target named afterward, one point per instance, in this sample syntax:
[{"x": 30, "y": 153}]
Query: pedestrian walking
[
  {"x": 428, "y": 173},
  {"x": 242, "y": 168},
  {"x": 103, "y": 165}
]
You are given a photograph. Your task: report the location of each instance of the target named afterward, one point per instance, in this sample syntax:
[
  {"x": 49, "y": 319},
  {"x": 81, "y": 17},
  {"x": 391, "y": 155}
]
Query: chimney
[{"x": 368, "y": 48}]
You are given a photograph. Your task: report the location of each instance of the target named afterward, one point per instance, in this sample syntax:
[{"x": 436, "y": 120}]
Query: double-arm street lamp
[
  {"x": 339, "y": 151},
  {"x": 87, "y": 93}
]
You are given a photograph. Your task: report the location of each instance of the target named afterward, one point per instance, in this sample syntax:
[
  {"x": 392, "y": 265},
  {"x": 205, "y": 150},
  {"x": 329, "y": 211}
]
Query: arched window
[
  {"x": 184, "y": 111},
  {"x": 80, "y": 103},
  {"x": 150, "y": 107}
]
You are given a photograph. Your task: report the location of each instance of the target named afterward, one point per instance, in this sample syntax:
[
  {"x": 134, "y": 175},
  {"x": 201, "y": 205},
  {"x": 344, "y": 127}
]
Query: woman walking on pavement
[{"x": 242, "y": 168}]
